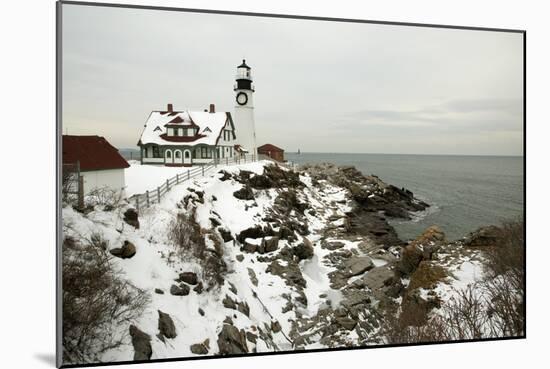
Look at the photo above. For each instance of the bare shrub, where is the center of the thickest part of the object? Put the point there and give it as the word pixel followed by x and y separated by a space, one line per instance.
pixel 504 286
pixel 465 315
pixel 104 196
pixel 191 240
pixel 187 235
pixel 96 300
pixel 395 327
pixel 69 182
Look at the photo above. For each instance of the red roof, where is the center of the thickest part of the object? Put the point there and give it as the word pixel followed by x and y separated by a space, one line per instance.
pixel 92 152
pixel 270 147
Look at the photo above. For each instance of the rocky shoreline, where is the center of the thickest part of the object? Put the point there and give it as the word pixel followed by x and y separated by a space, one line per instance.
pixel 262 257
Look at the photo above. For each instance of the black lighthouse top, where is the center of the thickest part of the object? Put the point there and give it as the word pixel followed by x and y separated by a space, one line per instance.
pixel 243 65
pixel 244 78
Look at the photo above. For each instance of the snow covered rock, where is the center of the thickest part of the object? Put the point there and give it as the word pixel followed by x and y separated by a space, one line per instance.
pixel 166 326
pixel 231 340
pixel 200 348
pixel 127 250
pixel 142 344
pixel 181 290
pixel 304 250
pixel 131 217
pixel 189 278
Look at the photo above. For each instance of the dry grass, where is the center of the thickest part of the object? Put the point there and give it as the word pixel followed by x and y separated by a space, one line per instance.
pixel 190 241
pixel 427 276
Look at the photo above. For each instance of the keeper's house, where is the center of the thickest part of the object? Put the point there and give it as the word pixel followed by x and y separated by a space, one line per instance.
pixel 186 138
pixel 97 161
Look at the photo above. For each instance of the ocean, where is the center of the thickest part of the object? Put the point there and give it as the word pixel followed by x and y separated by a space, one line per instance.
pixel 465 192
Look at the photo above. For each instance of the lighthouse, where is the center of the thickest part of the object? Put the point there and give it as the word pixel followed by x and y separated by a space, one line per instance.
pixel 244 108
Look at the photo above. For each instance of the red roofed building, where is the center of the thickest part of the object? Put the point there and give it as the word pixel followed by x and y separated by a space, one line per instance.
pixel 100 163
pixel 274 152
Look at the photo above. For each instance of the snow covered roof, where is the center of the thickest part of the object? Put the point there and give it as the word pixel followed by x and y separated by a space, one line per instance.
pixel 92 152
pixel 209 125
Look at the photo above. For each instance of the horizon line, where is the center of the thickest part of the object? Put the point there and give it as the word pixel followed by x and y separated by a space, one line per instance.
pixel 373 153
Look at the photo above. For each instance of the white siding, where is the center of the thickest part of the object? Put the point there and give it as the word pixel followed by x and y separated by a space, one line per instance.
pixel 111 178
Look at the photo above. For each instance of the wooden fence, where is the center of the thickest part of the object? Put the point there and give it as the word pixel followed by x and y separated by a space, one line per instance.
pixel 153 196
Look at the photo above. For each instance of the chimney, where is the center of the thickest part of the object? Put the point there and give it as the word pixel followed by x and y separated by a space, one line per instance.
pixel 212 108
pixel 170 108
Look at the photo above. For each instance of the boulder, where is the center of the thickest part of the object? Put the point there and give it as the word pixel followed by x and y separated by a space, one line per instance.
pixel 254 232
pixel 243 308
pixel 251 337
pixel 166 325
pixel 346 322
pixel 378 278
pixel 226 235
pixel 229 303
pixel 201 348
pixel 189 278
pixel 127 250
pixel 201 312
pixel 198 288
pixel 159 291
pixel 181 290
pixel 252 276
pixel 270 244
pixel 215 222
pixel 357 265
pixel 286 233
pixel 304 250
pixel 244 193
pixel 142 344
pixel 232 340
pixel 275 326
pixel 420 249
pixel 250 247
pixel 332 245
pixel 485 236
pixel 131 218
pixel 411 256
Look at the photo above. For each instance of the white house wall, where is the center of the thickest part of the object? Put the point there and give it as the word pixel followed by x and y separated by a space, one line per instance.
pixel 112 178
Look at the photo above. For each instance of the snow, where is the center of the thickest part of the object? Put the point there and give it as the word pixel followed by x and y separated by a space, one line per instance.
pixel 140 178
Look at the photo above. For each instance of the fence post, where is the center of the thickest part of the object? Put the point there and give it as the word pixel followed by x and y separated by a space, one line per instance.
pixel 167 184
pixel 147 196
pixel 81 192
pixel 202 170
pixel 158 195
pixel 137 203
pixel 188 175
pixel 177 178
pixel 226 161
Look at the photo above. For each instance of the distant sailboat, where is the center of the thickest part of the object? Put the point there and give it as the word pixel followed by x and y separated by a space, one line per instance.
pixel 298 152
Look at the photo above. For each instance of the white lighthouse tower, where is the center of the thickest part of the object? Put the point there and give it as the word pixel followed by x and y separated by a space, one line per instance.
pixel 244 109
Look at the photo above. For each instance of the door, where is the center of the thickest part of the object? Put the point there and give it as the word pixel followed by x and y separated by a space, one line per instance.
pixel 177 157
pixel 168 158
pixel 187 160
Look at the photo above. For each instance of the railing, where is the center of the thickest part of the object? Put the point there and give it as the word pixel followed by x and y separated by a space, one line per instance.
pixel 154 196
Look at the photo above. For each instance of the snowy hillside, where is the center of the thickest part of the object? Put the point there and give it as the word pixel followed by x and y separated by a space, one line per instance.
pixel 302 260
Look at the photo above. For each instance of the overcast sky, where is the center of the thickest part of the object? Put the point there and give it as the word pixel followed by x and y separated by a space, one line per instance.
pixel 320 86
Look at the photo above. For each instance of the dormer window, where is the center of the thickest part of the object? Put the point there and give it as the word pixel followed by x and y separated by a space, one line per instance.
pixel 176 131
